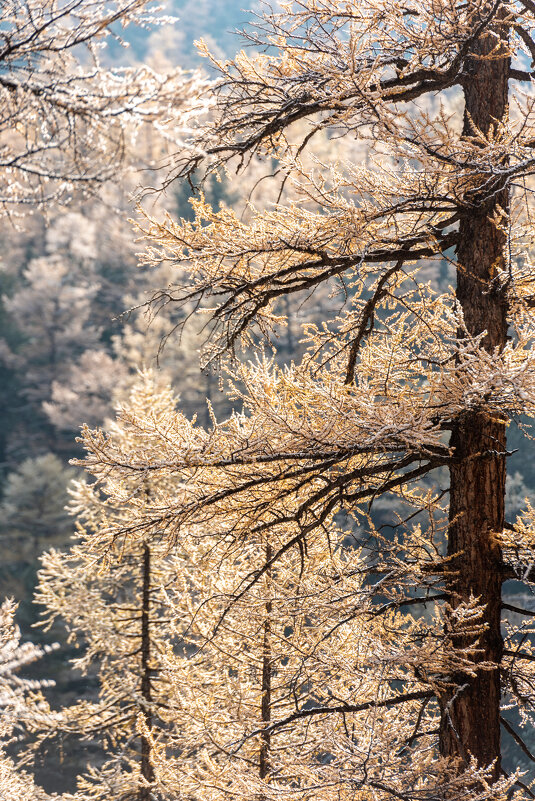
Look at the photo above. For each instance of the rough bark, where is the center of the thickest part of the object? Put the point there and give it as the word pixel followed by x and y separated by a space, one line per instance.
pixel 147 771
pixel 471 716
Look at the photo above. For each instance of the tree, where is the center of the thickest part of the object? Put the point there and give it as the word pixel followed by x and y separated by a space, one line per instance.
pixel 20 704
pixel 64 115
pixel 86 392
pixel 403 366
pixel 56 304
pixel 33 517
pixel 64 288
pixel 115 597
pixel 34 500
pixel 144 341
pixel 288 684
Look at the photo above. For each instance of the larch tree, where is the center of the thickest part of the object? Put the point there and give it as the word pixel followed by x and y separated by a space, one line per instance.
pixel 55 303
pixel 115 598
pixel 86 392
pixel 21 705
pixel 65 283
pixel 140 342
pixel 305 637
pixel 276 678
pixel 406 378
pixel 33 518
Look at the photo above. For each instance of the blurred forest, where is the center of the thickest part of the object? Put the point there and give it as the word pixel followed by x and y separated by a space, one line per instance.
pixel 70 348
pixel 67 348
pixel 74 332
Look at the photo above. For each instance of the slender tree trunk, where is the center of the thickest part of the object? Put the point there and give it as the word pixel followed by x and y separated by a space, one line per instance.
pixel 147 771
pixel 265 743
pixel 208 398
pixel 290 344
pixel 470 717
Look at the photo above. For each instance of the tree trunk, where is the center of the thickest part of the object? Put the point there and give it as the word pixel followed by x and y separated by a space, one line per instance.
pixel 147 771
pixel 265 743
pixel 470 724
